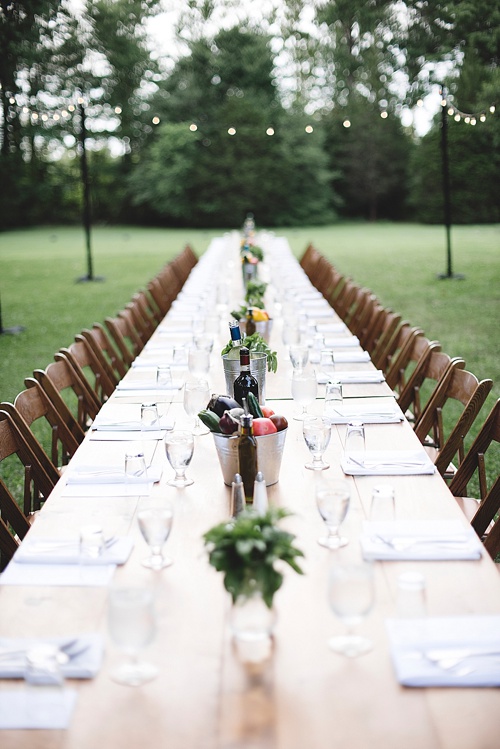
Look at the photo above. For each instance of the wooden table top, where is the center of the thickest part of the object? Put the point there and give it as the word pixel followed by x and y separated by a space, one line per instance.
pixel 304 695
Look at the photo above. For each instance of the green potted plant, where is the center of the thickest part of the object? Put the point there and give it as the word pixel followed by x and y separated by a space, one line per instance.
pixel 246 551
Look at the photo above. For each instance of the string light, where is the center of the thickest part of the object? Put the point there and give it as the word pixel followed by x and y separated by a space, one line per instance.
pixel 309 128
pixel 470 118
pixel 193 127
pixel 155 120
pixel 347 123
pixel 384 114
pixel 270 131
pixel 231 131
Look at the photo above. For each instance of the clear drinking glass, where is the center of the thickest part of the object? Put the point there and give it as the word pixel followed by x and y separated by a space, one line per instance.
pixel 298 356
pixel 382 505
pixel 198 362
pixel 327 362
pixel 179 446
pixel 304 389
pixel 196 397
pixel 351 595
pixel 150 420
pixel 163 376
pixel 355 442
pixel 334 401
pixel 332 499
pixel 135 466
pixel 91 541
pixel 317 432
pixel 131 623
pixel 155 523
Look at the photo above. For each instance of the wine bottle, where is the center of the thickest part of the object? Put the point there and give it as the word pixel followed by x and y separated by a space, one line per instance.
pixel 250 322
pixel 245 382
pixel 247 455
pixel 234 329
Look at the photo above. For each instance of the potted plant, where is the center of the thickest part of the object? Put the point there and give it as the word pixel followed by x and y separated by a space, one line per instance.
pixel 246 551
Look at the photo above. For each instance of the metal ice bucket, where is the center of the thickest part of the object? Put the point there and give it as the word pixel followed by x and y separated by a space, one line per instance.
pixel 263 327
pixel 269 453
pixel 258 367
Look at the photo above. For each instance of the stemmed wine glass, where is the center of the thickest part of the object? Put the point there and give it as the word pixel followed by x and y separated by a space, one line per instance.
pixel 304 389
pixel 317 432
pixel 179 446
pixel 351 595
pixel 131 623
pixel 196 397
pixel 332 499
pixel 155 523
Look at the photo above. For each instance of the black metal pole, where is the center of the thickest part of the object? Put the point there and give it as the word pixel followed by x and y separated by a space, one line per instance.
pixel 446 187
pixel 87 220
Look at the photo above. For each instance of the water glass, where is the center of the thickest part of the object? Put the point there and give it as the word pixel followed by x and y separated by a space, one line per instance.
pixel 198 362
pixel 91 541
pixel 317 432
pixel 351 595
pixel 135 467
pixel 304 389
pixel 131 624
pixel 327 362
pixel 150 419
pixel 155 523
pixel 196 397
pixel 334 401
pixel 411 601
pixel 298 356
pixel 332 499
pixel 163 376
pixel 382 505
pixel 355 442
pixel 179 447
pixel 179 355
pixel 291 334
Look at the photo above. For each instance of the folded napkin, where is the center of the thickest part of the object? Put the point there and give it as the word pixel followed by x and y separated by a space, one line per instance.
pixel 354 377
pixel 350 341
pixel 343 357
pixel 332 327
pixel 368 414
pixel 320 313
pixel 67 551
pixel 85 654
pixel 383 463
pixel 99 474
pixel 73 575
pixel 150 385
pixel 102 425
pixel 157 360
pixel 94 481
pixel 453 651
pixel 28 708
pixel 410 539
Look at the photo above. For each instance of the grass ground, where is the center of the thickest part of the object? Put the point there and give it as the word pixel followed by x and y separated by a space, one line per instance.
pixel 398 262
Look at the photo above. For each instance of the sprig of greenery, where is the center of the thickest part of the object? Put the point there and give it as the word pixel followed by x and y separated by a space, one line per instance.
pixel 246 549
pixel 256 343
pixel 251 249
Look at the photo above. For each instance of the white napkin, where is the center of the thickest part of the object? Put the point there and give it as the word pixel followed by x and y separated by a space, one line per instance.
pixel 67 551
pixel 92 575
pixel 318 313
pixel 157 360
pixel 88 650
pixel 343 357
pixel 384 463
pixel 350 341
pixel 410 539
pixel 90 481
pixel 85 474
pixel 370 413
pixel 354 377
pixel 148 385
pixel 332 327
pixel 27 708
pixel 409 639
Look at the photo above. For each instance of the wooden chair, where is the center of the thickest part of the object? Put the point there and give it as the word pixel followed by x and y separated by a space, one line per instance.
pixel 124 336
pixel 148 309
pixel 36 483
pixel 457 386
pixel 481 512
pixel 88 367
pixel 342 303
pixel 100 342
pixel 395 358
pixel 35 416
pixel 144 321
pixel 60 379
pixel 382 330
pixel 431 369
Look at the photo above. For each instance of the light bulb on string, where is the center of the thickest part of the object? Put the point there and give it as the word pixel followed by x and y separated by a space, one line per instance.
pixel 347 123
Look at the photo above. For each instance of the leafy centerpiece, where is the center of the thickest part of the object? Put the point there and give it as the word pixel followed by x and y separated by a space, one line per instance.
pixel 246 551
pixel 257 344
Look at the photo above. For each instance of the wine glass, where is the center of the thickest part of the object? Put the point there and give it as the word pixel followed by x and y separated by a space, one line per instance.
pixel 351 595
pixel 317 432
pixel 304 389
pixel 298 356
pixel 131 624
pixel 179 446
pixel 155 523
pixel 332 499
pixel 198 362
pixel 196 397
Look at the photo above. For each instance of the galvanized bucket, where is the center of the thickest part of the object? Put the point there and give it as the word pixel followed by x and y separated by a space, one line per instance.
pixel 263 327
pixel 258 367
pixel 269 453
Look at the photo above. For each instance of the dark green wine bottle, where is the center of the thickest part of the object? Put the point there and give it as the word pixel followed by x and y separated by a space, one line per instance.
pixel 247 455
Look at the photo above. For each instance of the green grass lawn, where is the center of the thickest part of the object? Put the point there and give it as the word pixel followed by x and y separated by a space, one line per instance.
pixel 398 262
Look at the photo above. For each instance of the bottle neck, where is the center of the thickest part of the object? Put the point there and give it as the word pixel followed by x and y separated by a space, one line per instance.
pixel 235 334
pixel 244 359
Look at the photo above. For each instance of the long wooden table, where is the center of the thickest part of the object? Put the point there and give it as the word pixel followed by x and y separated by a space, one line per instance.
pixel 304 695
